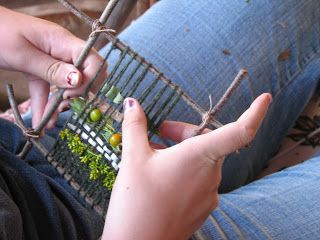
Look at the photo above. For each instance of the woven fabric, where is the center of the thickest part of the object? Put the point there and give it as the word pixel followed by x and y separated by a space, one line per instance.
pixel 83 153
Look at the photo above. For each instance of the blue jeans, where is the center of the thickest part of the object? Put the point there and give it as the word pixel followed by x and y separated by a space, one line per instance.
pixel 36 202
pixel 201 46
pixel 278 42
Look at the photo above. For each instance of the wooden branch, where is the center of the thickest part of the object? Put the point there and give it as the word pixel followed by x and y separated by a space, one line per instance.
pixel 59 97
pixel 23 127
pixel 234 85
pixel 120 14
pixel 105 15
pixel 207 117
pixel 14 105
pixel 77 12
pixel 26 148
pixel 54 8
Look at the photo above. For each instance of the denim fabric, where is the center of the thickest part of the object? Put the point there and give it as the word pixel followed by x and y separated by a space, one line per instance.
pixel 284 205
pixel 278 42
pixel 42 204
pixel 185 40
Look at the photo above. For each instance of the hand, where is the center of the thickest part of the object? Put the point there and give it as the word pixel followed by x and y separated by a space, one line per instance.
pixel 168 193
pixel 45 52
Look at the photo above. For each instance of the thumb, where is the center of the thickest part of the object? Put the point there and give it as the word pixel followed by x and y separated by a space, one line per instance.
pixel 134 129
pixel 63 75
pixel 54 71
pixel 233 136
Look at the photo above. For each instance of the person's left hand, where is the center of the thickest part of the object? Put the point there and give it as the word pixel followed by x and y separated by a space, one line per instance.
pixel 45 52
pixel 168 193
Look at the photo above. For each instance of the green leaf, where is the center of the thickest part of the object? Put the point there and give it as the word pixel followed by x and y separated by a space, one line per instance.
pixel 109 180
pixel 97 167
pixel 109 123
pixel 118 99
pixel 104 89
pixel 108 129
pixel 64 134
pixel 77 104
pixel 112 93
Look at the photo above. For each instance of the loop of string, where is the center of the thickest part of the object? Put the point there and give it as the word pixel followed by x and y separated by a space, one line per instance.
pixel 97 27
pixel 207 115
pixel 28 132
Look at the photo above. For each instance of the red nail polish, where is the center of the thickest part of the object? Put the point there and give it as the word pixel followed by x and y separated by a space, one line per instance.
pixel 128 103
pixel 73 78
pixel 131 102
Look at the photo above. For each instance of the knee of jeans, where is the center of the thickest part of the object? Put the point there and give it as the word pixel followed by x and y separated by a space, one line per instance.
pixel 203 45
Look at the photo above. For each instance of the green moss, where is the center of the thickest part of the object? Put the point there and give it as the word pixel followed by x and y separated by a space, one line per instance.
pixel 98 168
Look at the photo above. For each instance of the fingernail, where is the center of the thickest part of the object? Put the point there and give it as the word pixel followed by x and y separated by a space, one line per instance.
pixel 128 103
pixel 73 79
pixel 64 109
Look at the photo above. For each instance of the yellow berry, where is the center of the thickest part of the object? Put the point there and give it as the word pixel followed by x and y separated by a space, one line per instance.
pixel 115 139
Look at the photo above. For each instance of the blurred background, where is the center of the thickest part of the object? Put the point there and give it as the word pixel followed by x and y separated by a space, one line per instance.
pixel 52 10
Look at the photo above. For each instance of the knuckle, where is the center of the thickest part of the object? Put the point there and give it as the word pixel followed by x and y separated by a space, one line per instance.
pixel 52 71
pixel 134 121
pixel 58 31
pixel 211 157
pixel 207 157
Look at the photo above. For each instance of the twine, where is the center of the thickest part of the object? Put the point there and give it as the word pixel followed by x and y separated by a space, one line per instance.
pixel 28 132
pixel 97 27
pixel 207 115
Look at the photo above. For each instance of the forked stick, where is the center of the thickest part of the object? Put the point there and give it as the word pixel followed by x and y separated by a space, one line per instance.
pixel 59 97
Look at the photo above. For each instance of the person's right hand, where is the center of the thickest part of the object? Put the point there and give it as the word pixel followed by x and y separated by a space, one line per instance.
pixel 45 52
pixel 168 193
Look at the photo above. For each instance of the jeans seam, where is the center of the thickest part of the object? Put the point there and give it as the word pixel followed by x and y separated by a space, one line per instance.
pixel 297 74
pixel 249 217
pixel 234 226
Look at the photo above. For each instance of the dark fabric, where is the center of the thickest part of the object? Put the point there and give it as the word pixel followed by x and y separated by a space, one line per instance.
pixel 35 201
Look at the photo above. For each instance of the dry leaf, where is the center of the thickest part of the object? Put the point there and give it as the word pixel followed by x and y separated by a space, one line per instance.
pixel 285 55
pixel 226 52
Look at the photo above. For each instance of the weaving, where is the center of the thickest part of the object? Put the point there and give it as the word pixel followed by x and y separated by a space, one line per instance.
pixel 88 150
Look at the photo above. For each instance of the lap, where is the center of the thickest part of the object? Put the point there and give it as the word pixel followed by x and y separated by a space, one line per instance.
pixel 33 182
pixel 275 40
pixel 281 206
